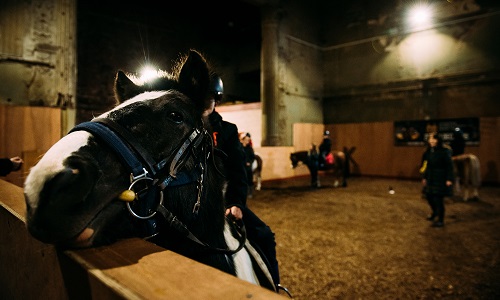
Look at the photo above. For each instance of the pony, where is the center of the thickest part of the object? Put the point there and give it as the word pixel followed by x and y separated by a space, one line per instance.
pixel 468 176
pixel 338 168
pixel 256 171
pixel 146 168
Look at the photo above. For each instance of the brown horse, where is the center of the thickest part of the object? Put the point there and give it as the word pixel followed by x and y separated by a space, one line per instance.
pixel 468 176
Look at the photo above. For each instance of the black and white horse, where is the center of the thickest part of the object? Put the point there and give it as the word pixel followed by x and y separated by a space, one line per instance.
pixel 147 168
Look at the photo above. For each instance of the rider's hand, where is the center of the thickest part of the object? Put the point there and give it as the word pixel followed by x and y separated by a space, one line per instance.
pixel 235 211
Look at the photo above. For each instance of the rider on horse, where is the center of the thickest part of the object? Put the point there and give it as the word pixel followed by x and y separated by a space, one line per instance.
pixel 325 149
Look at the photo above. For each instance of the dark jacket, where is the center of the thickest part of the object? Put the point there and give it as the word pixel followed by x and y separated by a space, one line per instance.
pixel 457 144
pixel 226 139
pixel 438 170
pixel 249 154
pixel 6 166
pixel 325 147
pixel 249 158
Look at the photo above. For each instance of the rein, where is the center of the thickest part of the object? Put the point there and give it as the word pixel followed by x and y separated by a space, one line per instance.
pixel 128 149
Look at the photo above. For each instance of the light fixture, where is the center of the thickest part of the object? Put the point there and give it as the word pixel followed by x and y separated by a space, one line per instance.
pixel 420 16
pixel 148 73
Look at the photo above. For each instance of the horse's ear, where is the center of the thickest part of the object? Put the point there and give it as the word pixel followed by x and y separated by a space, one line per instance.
pixel 194 77
pixel 124 88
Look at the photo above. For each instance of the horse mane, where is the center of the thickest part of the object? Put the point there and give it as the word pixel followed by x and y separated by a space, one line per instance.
pixel 190 81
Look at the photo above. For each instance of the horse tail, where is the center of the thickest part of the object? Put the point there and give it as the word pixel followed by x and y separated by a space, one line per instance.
pixel 475 170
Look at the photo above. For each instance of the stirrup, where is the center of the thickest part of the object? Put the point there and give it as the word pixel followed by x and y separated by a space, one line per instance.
pixel 282 288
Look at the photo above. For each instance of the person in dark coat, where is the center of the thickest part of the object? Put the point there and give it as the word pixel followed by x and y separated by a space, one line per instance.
pixel 458 143
pixel 438 177
pixel 226 138
pixel 458 148
pixel 314 165
pixel 245 139
pixel 8 165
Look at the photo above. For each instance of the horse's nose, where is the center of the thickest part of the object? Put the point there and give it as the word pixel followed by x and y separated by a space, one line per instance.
pixel 64 180
pixel 75 181
pixel 61 197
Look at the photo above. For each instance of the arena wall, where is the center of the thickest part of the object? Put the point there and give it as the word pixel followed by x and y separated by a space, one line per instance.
pixel 30 131
pixel 374 150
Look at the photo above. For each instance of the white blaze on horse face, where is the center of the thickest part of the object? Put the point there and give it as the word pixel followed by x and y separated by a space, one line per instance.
pixel 141 97
pixel 51 164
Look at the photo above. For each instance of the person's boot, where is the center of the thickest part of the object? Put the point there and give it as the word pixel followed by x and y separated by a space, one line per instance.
pixel 438 224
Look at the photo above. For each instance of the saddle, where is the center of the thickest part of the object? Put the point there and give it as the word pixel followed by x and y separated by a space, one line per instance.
pixel 326 162
pixel 329 159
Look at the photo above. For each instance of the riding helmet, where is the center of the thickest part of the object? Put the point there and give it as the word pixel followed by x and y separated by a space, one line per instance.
pixel 326 132
pixel 216 87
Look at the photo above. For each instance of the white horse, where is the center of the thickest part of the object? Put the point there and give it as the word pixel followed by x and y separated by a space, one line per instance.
pixel 468 176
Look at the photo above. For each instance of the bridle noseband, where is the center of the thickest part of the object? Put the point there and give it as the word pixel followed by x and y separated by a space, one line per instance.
pixel 156 176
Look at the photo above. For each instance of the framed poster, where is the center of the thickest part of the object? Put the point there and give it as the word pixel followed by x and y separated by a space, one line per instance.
pixel 416 132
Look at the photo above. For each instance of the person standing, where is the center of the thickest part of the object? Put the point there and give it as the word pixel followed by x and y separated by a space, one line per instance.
pixel 8 165
pixel 313 166
pixel 458 143
pixel 458 148
pixel 246 142
pixel 437 177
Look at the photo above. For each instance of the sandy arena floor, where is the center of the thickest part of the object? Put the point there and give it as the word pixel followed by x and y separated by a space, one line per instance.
pixel 361 242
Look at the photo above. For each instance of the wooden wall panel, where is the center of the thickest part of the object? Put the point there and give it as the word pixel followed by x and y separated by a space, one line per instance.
pixel 28 132
pixel 306 134
pixel 276 163
pixel 375 153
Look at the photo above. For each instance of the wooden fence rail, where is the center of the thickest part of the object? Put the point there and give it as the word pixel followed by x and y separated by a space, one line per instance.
pixel 129 269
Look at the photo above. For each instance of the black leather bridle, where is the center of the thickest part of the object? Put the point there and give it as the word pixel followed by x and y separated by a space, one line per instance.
pixel 149 178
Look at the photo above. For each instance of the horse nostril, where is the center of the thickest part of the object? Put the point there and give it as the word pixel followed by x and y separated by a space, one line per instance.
pixel 74 182
pixel 64 181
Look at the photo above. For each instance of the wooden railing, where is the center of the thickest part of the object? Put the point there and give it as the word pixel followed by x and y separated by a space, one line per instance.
pixel 129 269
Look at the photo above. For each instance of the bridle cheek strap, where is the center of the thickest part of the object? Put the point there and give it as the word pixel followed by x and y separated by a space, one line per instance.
pixel 192 142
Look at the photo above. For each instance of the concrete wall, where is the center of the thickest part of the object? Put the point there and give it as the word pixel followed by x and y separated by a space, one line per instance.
pixel 447 71
pixel 38 54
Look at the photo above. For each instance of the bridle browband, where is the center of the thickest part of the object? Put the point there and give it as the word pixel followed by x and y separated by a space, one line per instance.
pixel 160 175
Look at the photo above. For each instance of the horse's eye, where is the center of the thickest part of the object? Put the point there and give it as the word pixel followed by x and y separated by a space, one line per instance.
pixel 175 117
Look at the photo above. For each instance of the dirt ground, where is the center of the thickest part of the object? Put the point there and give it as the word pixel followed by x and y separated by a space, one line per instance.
pixel 360 242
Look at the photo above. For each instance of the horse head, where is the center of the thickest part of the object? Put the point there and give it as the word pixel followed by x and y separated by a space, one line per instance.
pixel 74 194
